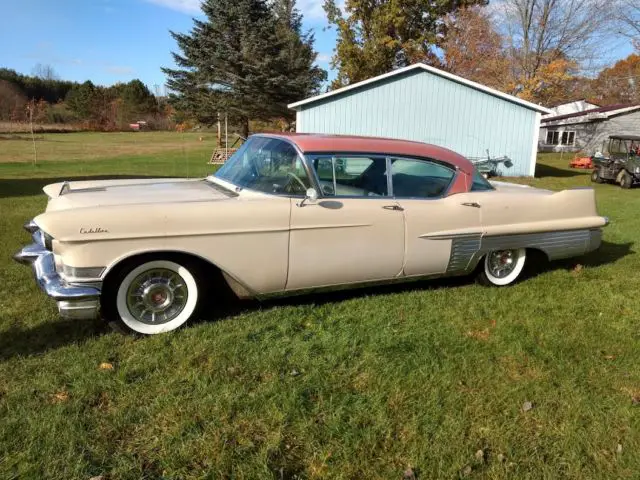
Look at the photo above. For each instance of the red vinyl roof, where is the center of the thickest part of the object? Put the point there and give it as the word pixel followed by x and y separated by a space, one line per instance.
pixel 319 143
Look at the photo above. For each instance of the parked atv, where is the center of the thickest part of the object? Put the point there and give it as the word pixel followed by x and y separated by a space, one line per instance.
pixel 622 166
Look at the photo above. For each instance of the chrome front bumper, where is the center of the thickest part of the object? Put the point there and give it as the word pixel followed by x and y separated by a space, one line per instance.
pixel 79 302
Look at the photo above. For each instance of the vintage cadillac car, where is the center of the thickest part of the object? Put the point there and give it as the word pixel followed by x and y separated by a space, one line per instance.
pixel 280 217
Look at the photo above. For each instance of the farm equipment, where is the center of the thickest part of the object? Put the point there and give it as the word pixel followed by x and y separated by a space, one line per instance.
pixel 221 154
pixel 622 166
pixel 581 162
pixel 488 166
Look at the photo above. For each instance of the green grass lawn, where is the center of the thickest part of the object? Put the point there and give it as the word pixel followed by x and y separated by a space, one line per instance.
pixel 359 384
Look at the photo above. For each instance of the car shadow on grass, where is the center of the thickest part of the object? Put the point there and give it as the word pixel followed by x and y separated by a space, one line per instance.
pixel 27 187
pixel 543 170
pixel 47 336
pixel 53 334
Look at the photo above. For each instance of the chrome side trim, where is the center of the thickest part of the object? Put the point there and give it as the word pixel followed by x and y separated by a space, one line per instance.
pixel 466 251
pixel 462 252
pixel 555 244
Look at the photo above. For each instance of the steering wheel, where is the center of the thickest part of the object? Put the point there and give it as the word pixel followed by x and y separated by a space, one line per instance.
pixel 297 179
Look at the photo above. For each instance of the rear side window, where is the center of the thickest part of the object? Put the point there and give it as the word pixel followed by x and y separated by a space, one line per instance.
pixel 480 184
pixel 419 178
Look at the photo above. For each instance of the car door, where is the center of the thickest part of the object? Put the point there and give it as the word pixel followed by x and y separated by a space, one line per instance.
pixel 354 233
pixel 442 232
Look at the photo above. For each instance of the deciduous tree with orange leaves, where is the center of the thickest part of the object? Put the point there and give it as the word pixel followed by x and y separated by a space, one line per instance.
pixel 620 83
pixel 473 49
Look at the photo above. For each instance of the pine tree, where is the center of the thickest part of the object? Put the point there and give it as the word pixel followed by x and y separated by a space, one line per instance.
pixel 247 59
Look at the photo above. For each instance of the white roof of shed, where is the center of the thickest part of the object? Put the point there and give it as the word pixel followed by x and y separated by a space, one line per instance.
pixel 427 68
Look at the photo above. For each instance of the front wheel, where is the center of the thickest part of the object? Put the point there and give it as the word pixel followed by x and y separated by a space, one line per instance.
pixel 626 181
pixel 502 267
pixel 151 297
pixel 595 176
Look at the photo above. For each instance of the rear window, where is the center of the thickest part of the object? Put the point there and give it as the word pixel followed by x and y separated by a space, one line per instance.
pixel 480 184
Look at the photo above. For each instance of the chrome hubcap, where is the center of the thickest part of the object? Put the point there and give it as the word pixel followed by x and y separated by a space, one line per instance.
pixel 502 262
pixel 157 296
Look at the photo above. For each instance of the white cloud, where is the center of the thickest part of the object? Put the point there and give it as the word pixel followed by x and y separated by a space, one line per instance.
pixel 184 6
pixel 323 58
pixel 311 9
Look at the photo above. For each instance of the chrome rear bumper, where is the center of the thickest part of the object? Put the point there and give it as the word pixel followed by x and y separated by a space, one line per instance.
pixel 81 302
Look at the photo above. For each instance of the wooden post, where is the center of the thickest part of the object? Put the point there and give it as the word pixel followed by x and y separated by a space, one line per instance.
pixel 226 138
pixel 33 138
pixel 219 143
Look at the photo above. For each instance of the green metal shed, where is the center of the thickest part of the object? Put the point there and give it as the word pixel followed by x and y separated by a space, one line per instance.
pixel 422 103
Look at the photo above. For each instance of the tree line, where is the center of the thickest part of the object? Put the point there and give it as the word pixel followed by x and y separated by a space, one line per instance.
pixel 47 99
pixel 250 58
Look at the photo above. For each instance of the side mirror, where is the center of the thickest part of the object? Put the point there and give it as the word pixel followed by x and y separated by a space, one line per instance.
pixel 311 196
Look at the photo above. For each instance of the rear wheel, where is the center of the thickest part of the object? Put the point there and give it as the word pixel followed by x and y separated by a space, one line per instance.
pixel 626 181
pixel 596 177
pixel 502 267
pixel 152 296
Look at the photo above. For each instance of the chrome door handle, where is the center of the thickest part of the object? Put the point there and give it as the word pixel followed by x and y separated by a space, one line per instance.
pixel 393 207
pixel 471 204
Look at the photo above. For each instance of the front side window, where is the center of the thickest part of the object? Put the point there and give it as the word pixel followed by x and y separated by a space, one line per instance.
pixel 349 176
pixel 268 165
pixel 420 178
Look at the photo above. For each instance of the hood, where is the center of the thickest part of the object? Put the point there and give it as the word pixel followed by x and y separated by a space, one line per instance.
pixel 95 193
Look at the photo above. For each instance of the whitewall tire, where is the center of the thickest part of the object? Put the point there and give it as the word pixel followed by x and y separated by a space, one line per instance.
pixel 154 296
pixel 502 267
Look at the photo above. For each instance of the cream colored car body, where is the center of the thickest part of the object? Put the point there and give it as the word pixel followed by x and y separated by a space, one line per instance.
pixel 270 244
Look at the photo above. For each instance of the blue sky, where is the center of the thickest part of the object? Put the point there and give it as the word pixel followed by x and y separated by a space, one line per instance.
pixel 109 41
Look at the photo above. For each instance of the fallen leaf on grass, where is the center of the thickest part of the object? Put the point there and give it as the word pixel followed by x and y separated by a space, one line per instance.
pixel 577 269
pixel 106 366
pixel 634 393
pixel 480 455
pixel 609 357
pixel 409 474
pixel 59 397
pixel 526 406
pixel 478 334
pixel 619 448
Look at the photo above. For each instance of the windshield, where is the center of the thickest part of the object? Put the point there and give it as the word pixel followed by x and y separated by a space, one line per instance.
pixel 624 146
pixel 268 165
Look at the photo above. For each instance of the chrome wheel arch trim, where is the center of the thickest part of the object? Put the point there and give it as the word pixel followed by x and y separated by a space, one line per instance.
pixel 236 285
